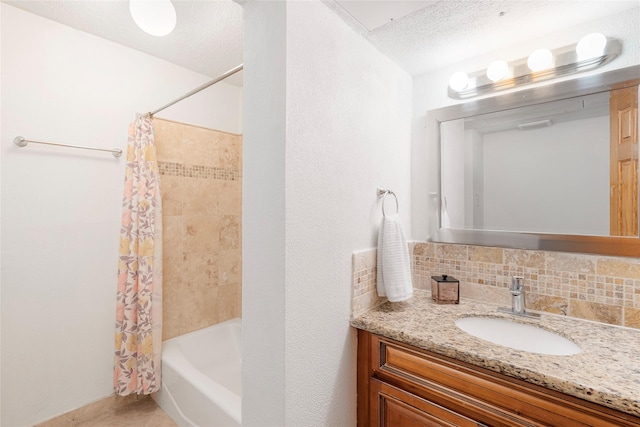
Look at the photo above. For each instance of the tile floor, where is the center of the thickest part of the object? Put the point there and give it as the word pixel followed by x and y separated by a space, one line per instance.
pixel 144 414
pixel 127 412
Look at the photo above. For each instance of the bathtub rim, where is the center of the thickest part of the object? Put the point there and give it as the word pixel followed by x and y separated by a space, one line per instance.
pixel 173 358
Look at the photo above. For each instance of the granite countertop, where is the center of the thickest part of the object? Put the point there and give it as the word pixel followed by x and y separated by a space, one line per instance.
pixel 606 371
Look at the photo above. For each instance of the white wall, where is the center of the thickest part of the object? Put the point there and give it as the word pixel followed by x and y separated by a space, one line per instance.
pixel 430 92
pixel 61 207
pixel 347 131
pixel 537 180
pixel 263 214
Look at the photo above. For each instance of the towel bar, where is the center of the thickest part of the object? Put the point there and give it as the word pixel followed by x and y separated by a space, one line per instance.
pixel 382 193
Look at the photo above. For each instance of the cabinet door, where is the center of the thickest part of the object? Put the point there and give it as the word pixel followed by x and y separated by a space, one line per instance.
pixel 443 391
pixel 392 407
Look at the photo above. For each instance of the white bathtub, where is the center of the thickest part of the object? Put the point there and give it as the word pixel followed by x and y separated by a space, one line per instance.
pixel 201 385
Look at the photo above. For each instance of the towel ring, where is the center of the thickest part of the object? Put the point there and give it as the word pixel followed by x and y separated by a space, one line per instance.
pixel 384 193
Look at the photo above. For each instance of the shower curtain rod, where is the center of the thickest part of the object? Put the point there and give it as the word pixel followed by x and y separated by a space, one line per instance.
pixel 199 88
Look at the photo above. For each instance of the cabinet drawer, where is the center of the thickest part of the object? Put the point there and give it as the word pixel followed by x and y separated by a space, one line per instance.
pixel 394 407
pixel 489 397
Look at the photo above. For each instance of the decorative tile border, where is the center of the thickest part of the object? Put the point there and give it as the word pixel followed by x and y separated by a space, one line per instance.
pixel 209 172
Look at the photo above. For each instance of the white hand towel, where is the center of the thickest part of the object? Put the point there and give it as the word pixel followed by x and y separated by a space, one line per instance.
pixel 394 270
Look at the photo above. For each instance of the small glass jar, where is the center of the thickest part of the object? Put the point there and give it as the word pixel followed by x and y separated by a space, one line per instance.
pixel 445 289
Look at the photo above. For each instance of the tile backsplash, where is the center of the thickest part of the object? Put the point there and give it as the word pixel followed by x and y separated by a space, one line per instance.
pixel 592 287
pixel 363 290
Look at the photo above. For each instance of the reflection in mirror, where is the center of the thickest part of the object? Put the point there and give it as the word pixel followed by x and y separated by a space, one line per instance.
pixel 553 167
pixel 540 168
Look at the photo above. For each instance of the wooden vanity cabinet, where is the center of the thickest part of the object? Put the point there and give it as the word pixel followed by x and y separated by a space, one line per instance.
pixel 400 385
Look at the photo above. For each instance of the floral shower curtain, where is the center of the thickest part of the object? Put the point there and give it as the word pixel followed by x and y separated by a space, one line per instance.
pixel 138 337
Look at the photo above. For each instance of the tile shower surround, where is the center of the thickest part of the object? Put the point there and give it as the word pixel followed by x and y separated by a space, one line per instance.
pixel 598 288
pixel 201 183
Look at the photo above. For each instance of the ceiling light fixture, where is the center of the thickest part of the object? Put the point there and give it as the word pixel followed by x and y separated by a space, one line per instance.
pixel 593 51
pixel 155 17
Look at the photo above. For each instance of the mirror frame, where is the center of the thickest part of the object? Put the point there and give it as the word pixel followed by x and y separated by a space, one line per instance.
pixel 585 85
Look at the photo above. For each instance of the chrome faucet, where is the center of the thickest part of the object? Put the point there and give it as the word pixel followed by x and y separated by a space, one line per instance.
pixel 518 300
pixel 518 305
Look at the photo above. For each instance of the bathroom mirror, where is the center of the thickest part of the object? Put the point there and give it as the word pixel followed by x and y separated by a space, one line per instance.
pixel 553 168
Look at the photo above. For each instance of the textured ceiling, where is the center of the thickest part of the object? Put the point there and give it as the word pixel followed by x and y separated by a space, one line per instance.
pixel 449 31
pixel 207 38
pixel 208 35
pixel 374 14
pixel 446 32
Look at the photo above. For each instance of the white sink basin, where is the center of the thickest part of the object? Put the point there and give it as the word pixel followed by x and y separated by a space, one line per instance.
pixel 519 336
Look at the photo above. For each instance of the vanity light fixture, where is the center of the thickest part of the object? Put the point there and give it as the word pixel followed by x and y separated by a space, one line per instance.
pixel 497 70
pixel 593 51
pixel 155 17
pixel 591 46
pixel 458 81
pixel 540 59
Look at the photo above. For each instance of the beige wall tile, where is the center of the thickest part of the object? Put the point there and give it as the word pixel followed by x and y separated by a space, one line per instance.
pixel 173 315
pixel 230 232
pixel 199 281
pixel 582 286
pixel 169 138
pixel 230 197
pixel 574 263
pixel 595 311
pixel 240 152
pixel 229 152
pixel 363 303
pixel 364 259
pixel 172 236
pixel 200 196
pixel 486 254
pixel 204 305
pixel 200 232
pixel 619 267
pixel 485 293
pixel 200 147
pixel 172 271
pixel 523 258
pixel 230 267
pixel 188 309
pixel 424 249
pixel 550 304
pixel 229 297
pixel 421 282
pixel 363 282
pixel 201 269
pixel 454 252
pixel 632 317
pixel 171 188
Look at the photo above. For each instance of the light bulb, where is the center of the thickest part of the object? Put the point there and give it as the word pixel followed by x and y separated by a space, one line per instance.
pixel 540 59
pixel 458 81
pixel 155 17
pixel 497 71
pixel 591 46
